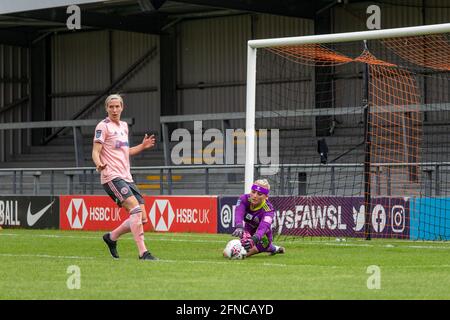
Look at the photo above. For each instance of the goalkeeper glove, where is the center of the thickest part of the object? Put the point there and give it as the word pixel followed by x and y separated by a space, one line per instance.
pixel 249 243
pixel 238 232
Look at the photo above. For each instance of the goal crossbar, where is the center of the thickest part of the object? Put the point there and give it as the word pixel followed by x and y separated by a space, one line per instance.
pixel 352 36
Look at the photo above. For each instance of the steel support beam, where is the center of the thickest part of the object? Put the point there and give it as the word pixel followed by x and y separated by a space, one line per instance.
pixel 15 38
pixel 150 23
pixel 7 7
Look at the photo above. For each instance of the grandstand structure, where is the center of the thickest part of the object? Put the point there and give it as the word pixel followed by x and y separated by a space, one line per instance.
pixel 187 60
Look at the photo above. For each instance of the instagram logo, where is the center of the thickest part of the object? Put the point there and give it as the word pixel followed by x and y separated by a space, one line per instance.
pixel 398 218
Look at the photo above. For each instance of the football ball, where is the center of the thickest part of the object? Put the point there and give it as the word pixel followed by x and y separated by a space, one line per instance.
pixel 234 250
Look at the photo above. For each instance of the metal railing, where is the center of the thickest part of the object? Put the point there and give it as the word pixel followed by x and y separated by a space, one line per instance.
pixel 305 179
pixel 225 118
pixel 76 126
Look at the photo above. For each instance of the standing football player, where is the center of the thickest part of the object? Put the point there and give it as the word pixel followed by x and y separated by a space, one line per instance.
pixel 111 155
pixel 256 211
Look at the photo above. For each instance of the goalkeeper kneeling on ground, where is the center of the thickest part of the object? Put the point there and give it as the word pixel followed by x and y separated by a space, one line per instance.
pixel 254 215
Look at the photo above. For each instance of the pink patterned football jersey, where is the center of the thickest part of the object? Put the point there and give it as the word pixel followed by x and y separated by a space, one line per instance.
pixel 115 152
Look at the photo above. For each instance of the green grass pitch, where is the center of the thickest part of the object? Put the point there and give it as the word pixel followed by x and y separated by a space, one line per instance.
pixel 35 264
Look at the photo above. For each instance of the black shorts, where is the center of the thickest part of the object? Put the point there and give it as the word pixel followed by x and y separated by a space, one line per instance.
pixel 119 190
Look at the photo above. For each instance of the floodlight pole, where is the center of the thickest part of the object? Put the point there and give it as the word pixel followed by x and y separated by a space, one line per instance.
pixel 250 119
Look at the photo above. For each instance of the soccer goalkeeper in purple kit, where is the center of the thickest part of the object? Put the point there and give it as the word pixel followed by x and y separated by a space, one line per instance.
pixel 256 211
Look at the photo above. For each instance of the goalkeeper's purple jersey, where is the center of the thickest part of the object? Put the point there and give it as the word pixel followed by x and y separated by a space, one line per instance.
pixel 257 221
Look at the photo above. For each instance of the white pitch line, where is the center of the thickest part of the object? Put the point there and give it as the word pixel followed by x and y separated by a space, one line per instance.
pixel 157 261
pixel 365 245
pixel 44 256
pixel 125 238
pixel 239 262
pixel 423 247
pixel 274 264
pixel 152 237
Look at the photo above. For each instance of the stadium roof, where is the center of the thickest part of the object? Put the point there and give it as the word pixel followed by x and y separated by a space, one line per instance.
pixel 25 20
pixel 21 22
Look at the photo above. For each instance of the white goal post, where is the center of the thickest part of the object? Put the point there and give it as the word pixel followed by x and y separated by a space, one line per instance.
pixel 253 45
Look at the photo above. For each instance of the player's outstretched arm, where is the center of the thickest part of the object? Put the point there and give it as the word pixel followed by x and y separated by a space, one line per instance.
pixel 96 149
pixel 147 143
pixel 239 217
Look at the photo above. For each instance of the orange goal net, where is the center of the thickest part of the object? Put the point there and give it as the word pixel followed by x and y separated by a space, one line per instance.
pixel 364 127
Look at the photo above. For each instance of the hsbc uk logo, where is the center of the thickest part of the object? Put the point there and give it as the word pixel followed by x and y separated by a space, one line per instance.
pixel 77 213
pixel 161 215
